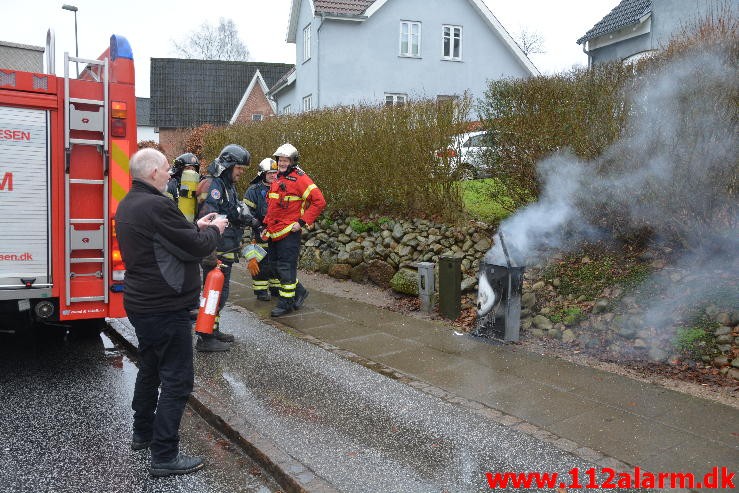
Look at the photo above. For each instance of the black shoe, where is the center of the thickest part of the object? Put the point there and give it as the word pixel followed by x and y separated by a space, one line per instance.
pixel 281 309
pixel 263 296
pixel 182 464
pixel 222 336
pixel 210 344
pixel 300 297
pixel 138 443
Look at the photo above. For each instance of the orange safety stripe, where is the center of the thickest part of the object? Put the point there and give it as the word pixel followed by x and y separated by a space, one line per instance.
pixel 119 172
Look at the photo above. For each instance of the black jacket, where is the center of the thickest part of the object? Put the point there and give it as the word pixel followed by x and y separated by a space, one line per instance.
pixel 161 250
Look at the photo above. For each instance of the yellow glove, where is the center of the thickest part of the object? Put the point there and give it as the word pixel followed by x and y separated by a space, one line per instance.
pixel 253 267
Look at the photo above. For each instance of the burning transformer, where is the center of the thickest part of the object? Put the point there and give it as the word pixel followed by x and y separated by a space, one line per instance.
pixel 499 294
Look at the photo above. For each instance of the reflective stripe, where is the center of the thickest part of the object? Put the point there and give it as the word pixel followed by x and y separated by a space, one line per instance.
pixel 291 198
pixel 274 283
pixel 280 233
pixel 250 203
pixel 273 195
pixel 308 190
pixel 259 285
pixel 292 286
pixel 287 294
pixel 120 179
pixel 227 256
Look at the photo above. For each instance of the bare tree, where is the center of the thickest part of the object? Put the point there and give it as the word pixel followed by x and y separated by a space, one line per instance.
pixel 530 41
pixel 221 42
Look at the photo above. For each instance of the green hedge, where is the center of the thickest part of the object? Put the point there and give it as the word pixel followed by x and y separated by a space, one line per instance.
pixel 365 159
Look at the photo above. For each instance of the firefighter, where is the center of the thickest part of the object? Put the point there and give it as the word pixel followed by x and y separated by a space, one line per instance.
pixel 183 183
pixel 293 201
pixel 222 198
pixel 264 282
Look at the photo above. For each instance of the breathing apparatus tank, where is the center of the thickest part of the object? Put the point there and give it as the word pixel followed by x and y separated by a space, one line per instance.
pixel 187 202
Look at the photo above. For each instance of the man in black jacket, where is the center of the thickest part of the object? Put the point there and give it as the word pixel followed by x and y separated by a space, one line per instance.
pixel 162 251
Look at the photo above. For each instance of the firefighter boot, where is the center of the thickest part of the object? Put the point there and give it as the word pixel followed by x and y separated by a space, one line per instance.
pixel 221 336
pixel 207 343
pixel 263 295
pixel 283 308
pixel 300 295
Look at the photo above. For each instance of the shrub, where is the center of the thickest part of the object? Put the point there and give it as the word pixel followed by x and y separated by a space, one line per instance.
pixel 365 159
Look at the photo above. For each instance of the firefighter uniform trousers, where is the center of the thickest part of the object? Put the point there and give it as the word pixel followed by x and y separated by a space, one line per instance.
pixel 267 278
pixel 284 255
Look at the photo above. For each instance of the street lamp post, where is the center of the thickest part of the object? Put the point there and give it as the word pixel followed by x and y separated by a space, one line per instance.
pixel 72 8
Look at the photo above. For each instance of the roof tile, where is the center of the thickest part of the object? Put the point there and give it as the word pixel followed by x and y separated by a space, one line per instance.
pixel 624 14
pixel 342 7
pixel 188 93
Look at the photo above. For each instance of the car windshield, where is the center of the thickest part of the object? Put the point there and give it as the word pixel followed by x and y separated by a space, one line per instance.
pixel 482 140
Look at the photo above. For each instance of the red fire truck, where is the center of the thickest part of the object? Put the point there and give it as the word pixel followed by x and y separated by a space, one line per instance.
pixel 64 149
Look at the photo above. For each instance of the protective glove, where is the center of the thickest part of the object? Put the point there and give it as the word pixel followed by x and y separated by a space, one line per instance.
pixel 253 267
pixel 210 261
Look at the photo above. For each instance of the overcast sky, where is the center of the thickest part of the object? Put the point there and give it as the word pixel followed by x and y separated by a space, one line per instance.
pixel 150 25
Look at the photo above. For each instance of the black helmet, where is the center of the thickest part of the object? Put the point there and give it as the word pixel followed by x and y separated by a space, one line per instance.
pixel 231 155
pixel 187 159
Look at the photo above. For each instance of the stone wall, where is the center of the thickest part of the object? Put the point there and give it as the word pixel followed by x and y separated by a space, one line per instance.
pixel 385 251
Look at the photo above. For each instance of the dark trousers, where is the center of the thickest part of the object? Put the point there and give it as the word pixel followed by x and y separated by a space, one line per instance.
pixel 165 360
pixel 285 254
pixel 226 285
pixel 266 277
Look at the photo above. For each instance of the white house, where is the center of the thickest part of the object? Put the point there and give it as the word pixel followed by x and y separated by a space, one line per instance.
pixel 374 51
pixel 636 28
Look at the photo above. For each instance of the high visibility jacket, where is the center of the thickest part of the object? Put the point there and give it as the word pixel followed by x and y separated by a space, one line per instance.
pixel 292 198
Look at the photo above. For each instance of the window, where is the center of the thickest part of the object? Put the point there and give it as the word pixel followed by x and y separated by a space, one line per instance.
pixel 410 38
pixel 257 117
pixel 392 99
pixel 451 42
pixel 306 43
pixel 308 102
pixel 287 110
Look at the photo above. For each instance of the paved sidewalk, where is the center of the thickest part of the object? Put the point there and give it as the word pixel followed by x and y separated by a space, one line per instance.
pixel 586 409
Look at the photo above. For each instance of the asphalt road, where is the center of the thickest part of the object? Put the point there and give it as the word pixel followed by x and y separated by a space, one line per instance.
pixel 356 429
pixel 66 426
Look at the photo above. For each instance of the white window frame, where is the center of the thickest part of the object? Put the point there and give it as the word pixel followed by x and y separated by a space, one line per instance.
pixel 287 110
pixel 408 38
pixel 395 98
pixel 308 103
pixel 306 42
pixel 257 117
pixel 452 28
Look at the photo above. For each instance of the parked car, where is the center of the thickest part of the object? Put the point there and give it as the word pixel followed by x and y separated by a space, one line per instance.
pixel 470 154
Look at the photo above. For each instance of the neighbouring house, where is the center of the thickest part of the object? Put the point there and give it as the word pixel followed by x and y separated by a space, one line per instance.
pixel 637 28
pixel 188 93
pixel 26 58
pixel 388 51
pixel 144 128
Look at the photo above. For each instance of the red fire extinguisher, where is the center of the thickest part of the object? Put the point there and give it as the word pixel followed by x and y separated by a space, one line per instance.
pixel 209 299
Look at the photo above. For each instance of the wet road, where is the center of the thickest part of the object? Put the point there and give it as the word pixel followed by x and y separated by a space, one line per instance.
pixel 66 426
pixel 358 430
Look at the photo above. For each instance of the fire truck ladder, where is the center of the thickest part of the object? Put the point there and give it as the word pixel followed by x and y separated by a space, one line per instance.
pixel 96 123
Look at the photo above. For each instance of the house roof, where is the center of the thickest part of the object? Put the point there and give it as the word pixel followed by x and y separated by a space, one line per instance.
pixel 187 93
pixel 256 80
pixel 342 7
pixel 626 13
pixel 143 112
